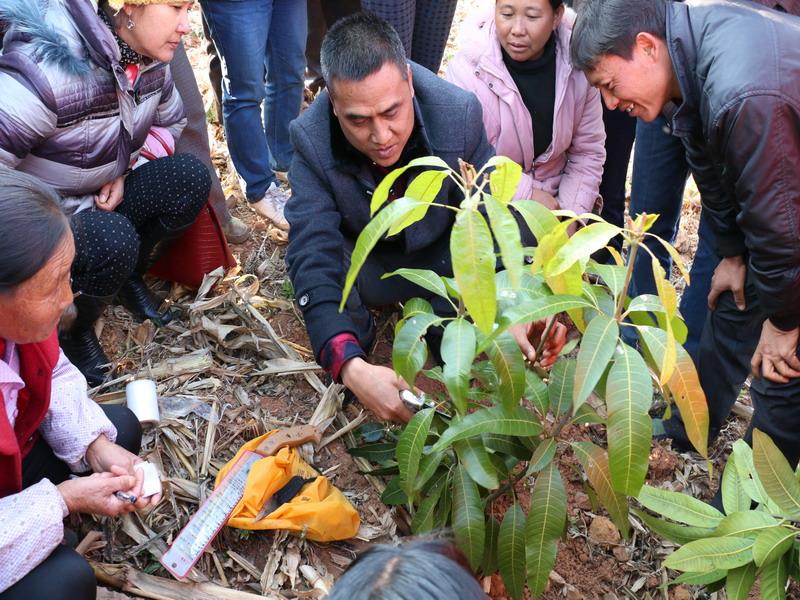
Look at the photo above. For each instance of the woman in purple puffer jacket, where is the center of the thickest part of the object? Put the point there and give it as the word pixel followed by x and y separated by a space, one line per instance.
pixel 83 86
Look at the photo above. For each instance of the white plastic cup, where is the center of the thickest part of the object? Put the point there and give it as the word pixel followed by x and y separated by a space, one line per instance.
pixel 143 401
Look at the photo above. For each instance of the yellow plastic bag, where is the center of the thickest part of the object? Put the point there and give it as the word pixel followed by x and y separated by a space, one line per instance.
pixel 320 511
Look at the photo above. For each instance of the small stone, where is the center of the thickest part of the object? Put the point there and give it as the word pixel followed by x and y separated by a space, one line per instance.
pixel 574 594
pixel 652 582
pixel 681 593
pixel 621 553
pixel 603 531
pixel 582 501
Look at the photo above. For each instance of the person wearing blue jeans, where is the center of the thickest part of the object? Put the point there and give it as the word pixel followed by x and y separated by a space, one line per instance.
pixel 262 47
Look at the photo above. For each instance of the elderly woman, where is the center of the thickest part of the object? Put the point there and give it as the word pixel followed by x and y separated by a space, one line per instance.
pixel 536 109
pixel 83 86
pixel 48 426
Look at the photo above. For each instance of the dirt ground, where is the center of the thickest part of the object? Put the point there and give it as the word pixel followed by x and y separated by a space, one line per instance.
pixel 251 404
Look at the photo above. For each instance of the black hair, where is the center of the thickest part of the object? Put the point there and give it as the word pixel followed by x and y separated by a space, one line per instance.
pixel 429 570
pixel 611 26
pixel 358 46
pixel 32 225
pixel 555 4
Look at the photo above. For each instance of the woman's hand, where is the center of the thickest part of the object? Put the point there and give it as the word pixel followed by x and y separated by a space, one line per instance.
pixel 110 195
pixel 105 456
pixel 95 494
pixel 377 388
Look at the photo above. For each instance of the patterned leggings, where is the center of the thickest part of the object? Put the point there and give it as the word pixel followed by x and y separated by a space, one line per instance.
pixel 168 192
pixel 423 26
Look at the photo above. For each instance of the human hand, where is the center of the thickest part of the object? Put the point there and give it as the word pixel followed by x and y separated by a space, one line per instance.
pixel 95 494
pixel 529 335
pixel 775 357
pixel 110 195
pixel 548 200
pixel 729 275
pixel 377 388
pixel 106 456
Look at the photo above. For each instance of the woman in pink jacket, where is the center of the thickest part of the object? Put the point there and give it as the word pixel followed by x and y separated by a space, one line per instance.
pixel 536 109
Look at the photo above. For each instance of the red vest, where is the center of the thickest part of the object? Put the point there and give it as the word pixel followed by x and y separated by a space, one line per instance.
pixel 37 362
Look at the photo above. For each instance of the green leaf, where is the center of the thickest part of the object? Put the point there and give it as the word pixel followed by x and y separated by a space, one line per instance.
pixel 580 246
pixel 679 534
pixel 684 386
pixel 474 458
pixel 679 507
pixel 371 235
pixel 490 556
pixel 441 516
pixel 381 192
pixel 629 393
pixel 734 496
pixel 508 361
pixel 380 452
pixel 597 348
pixel 547 515
pixel 410 446
pixel 458 352
pixel 539 308
pixel 503 181
pixel 393 495
pixel 559 386
pixel 506 444
pixel 751 484
pixel 542 456
pixel 595 462
pixel 520 421
pixel 771 544
pixel 700 578
pixel 423 517
pixel 586 415
pixel 506 233
pixel 748 523
pixel 539 219
pixel 427 468
pixel 612 275
pixel 536 391
pixel 775 473
pixel 646 303
pixel 773 579
pixel 472 250
pixel 511 550
pixel 677 259
pixel 740 581
pixel 424 187
pixel 410 351
pixel 711 554
pixel 469 527
pixel 423 278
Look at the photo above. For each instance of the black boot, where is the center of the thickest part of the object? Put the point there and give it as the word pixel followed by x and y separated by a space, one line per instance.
pixel 80 343
pixel 134 294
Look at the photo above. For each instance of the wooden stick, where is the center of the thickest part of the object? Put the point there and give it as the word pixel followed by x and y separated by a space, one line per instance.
pixel 131 581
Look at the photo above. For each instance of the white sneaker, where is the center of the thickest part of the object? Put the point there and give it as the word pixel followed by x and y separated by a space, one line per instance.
pixel 271 206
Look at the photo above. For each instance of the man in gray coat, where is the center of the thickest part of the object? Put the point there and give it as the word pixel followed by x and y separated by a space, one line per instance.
pixel 737 110
pixel 378 113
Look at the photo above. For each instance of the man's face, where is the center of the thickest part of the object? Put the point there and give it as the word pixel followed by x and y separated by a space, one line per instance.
pixel 30 312
pixel 640 86
pixel 377 113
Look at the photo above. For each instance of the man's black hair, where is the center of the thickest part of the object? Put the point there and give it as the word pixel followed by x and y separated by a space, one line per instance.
pixel 358 46
pixel 611 26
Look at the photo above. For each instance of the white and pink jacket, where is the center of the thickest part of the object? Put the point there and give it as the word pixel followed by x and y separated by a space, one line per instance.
pixel 572 166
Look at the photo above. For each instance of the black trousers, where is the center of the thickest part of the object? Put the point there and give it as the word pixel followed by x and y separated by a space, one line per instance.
pixel 729 339
pixel 65 575
pixel 169 191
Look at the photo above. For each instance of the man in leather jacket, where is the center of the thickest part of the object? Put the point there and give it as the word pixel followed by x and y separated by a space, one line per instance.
pixel 737 111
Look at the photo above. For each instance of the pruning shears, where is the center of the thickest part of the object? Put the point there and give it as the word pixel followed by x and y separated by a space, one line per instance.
pixel 416 402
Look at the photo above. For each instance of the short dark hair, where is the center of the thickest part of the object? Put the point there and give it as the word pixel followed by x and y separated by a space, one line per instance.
pixel 358 46
pixel 427 570
pixel 32 225
pixel 611 26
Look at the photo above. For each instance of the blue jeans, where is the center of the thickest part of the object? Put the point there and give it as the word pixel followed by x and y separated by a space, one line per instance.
pixel 262 47
pixel 659 177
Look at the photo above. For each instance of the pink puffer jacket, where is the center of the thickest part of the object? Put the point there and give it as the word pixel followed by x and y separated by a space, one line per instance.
pixel 572 166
